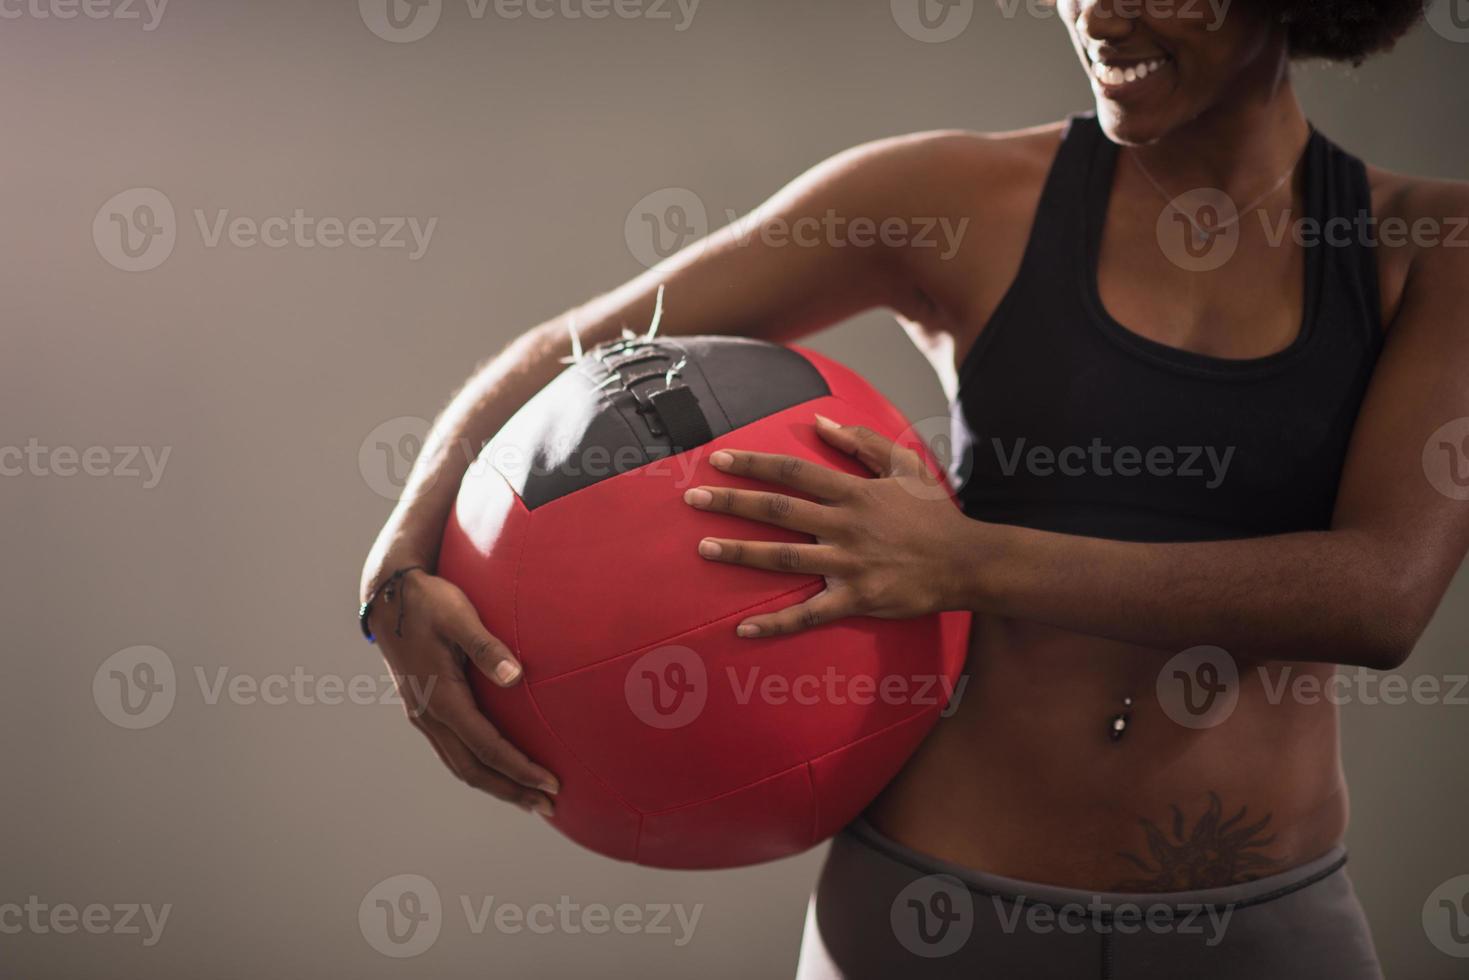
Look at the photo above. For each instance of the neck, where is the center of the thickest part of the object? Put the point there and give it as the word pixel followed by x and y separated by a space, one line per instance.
pixel 1238 147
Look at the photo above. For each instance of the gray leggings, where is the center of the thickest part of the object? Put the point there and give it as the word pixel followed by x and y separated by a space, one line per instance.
pixel 882 910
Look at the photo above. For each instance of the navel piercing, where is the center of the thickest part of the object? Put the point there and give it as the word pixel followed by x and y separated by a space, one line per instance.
pixel 1120 721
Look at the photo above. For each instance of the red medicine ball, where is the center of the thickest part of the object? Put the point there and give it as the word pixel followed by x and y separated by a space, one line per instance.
pixel 679 744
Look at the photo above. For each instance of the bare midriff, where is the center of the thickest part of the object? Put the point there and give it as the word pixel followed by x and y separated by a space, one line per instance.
pixel 1023 778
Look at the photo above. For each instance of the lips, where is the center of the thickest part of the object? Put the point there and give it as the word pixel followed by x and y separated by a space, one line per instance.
pixel 1119 72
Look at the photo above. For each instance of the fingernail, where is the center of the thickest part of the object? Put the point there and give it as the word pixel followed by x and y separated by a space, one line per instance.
pixel 823 420
pixel 550 786
pixel 710 548
pixel 698 497
pixel 506 672
pixel 544 808
pixel 747 629
pixel 721 460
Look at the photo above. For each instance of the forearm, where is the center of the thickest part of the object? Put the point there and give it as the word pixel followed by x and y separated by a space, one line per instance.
pixel 1329 597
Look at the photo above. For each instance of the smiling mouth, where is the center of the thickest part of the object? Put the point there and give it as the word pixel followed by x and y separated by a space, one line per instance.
pixel 1118 76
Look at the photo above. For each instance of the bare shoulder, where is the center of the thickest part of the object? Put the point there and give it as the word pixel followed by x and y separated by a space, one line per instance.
pixel 1421 230
pixel 1417 200
pixel 955 163
pixel 1430 212
pixel 1031 147
pixel 980 188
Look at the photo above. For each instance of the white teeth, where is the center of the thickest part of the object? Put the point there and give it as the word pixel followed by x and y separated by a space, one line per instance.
pixel 1111 75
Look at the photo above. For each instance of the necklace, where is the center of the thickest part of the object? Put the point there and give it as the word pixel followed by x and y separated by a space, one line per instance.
pixel 1203 235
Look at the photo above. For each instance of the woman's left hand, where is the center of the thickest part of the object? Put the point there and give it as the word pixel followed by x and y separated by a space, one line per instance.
pixel 888 546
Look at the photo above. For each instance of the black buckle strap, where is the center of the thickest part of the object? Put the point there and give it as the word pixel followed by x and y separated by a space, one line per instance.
pixel 682 417
pixel 673 410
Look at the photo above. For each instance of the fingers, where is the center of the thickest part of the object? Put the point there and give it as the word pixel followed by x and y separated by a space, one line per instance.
pixel 775 509
pixel 877 452
pixel 452 706
pixel 460 627
pixel 441 630
pixel 809 559
pixel 463 764
pixel 824 607
pixel 809 478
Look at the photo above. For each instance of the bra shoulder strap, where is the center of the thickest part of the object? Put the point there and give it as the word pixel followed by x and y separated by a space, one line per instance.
pixel 1058 233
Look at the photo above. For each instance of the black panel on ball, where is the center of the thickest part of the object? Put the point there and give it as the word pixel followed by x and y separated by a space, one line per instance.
pixel 630 402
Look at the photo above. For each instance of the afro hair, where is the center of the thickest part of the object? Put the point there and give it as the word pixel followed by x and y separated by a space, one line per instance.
pixel 1345 30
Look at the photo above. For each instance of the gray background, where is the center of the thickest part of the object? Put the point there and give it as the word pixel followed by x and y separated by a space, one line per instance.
pixel 265 371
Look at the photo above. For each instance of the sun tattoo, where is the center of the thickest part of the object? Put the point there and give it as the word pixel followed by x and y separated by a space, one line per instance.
pixel 1215 853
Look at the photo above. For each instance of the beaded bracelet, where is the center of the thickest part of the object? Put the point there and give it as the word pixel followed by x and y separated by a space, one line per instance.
pixel 385 589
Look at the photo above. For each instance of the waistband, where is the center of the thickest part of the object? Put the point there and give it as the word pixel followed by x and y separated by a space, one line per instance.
pixel 1256 892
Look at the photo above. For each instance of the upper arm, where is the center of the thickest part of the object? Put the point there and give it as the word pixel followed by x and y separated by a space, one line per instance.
pixel 1406 480
pixel 807 258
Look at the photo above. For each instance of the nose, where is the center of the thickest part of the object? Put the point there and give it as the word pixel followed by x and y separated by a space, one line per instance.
pixel 1105 20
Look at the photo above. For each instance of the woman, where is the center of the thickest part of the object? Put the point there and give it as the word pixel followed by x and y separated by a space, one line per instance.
pixel 1195 422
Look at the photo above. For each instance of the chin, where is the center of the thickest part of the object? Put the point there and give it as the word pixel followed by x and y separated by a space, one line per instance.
pixel 1134 125
pixel 1127 127
pixel 1139 98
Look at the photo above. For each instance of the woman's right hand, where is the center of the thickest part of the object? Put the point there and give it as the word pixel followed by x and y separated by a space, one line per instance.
pixel 430 634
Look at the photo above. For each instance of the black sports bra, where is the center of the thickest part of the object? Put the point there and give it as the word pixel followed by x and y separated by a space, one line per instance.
pixel 1068 421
